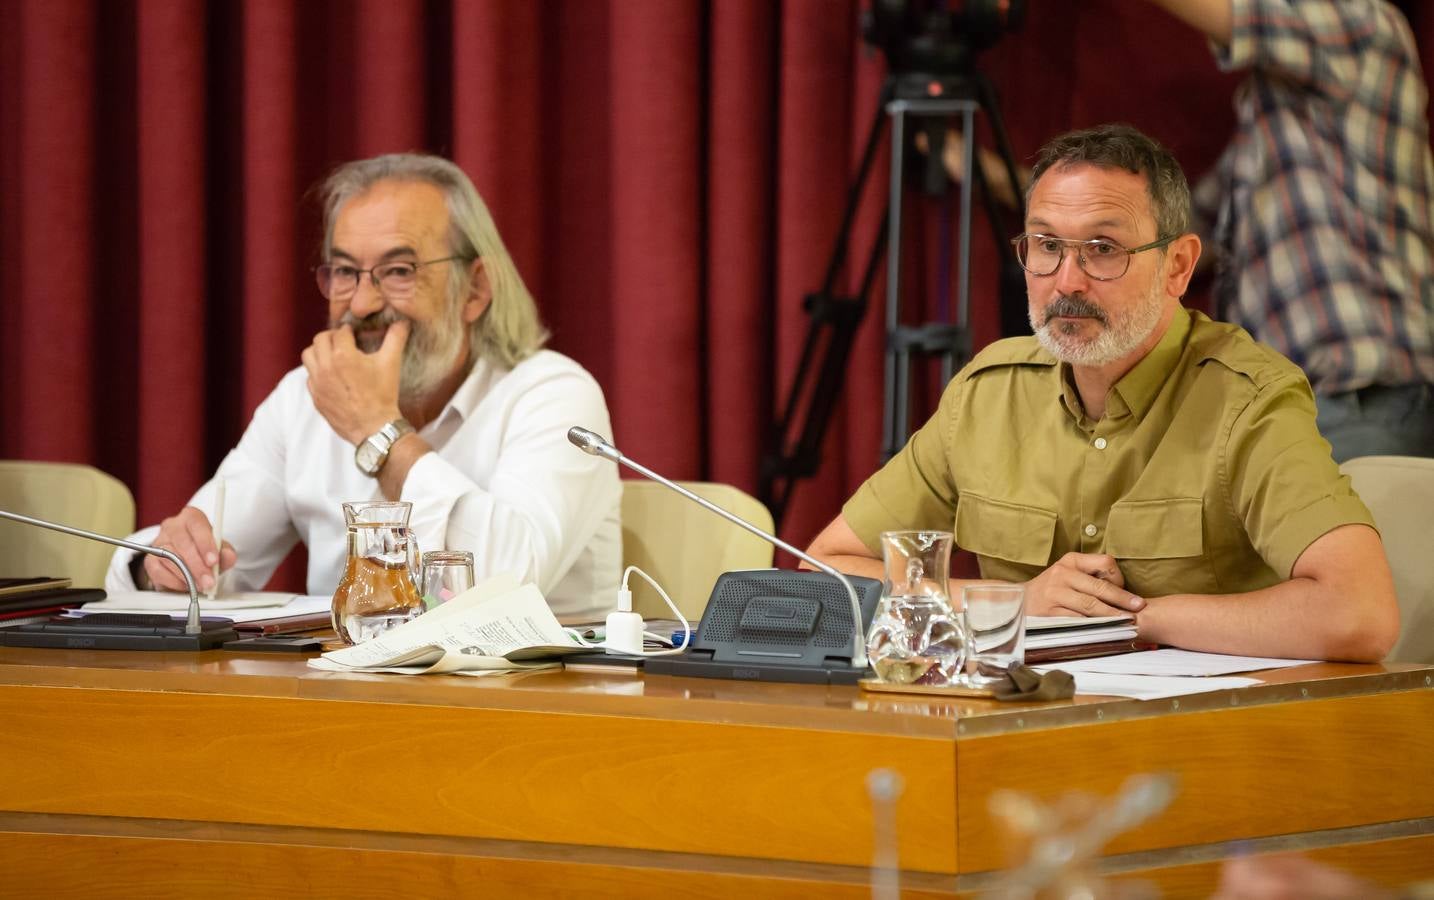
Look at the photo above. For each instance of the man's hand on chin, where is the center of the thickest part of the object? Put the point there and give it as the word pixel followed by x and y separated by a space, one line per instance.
pixel 355 392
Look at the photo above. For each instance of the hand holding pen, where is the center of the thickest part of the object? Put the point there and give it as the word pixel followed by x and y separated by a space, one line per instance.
pixel 191 536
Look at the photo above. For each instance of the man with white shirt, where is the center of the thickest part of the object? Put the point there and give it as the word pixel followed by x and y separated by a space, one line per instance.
pixel 430 386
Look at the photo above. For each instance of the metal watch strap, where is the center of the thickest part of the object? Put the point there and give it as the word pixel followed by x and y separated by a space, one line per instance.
pixel 382 442
pixel 394 430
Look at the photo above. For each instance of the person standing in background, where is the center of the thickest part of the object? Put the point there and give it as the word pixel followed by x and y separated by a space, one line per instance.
pixel 1323 208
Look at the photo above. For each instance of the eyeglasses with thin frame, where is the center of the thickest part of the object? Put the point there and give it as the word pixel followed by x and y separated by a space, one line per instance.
pixel 393 280
pixel 1101 259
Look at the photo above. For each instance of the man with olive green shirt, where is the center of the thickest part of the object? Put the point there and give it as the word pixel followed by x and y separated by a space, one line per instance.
pixel 1134 456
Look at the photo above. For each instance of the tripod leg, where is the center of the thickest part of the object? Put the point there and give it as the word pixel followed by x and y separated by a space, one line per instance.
pixel 893 413
pixel 1011 279
pixel 794 449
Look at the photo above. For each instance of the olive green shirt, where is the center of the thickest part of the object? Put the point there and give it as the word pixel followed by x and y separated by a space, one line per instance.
pixel 1206 475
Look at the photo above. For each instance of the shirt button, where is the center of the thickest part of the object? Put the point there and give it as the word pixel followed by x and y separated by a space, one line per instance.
pixel 1100 443
pixel 1090 531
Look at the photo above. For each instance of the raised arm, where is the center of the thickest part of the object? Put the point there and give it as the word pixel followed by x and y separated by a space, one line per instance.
pixel 1212 17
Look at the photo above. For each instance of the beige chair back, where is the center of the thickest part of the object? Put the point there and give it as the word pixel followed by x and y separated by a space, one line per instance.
pixel 685 547
pixel 1399 491
pixel 74 495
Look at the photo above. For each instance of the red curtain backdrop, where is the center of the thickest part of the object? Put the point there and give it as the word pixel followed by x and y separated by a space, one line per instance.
pixel 669 175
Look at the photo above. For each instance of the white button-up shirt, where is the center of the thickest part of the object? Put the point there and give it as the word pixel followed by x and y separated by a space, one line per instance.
pixel 502 482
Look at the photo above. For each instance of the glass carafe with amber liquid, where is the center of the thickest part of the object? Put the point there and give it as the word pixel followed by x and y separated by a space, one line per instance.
pixel 379 588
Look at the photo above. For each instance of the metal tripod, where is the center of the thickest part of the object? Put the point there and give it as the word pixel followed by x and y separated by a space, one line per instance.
pixel 795 443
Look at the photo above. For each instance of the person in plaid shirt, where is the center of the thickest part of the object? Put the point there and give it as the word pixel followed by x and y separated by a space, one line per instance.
pixel 1322 208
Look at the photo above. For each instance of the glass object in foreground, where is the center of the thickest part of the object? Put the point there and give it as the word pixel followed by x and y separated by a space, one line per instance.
pixel 996 624
pixel 377 591
pixel 446 574
pixel 916 638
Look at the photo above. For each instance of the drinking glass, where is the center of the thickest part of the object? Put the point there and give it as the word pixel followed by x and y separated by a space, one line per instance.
pixel 915 637
pixel 446 574
pixel 995 617
pixel 378 590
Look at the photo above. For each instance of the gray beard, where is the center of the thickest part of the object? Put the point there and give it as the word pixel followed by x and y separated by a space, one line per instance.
pixel 429 357
pixel 1120 336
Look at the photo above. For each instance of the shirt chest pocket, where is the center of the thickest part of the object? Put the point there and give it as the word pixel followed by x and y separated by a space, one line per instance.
pixel 1005 531
pixel 1160 546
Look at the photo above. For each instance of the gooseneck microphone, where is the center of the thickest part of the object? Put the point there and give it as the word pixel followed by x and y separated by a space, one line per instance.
pixel 595 445
pixel 192 623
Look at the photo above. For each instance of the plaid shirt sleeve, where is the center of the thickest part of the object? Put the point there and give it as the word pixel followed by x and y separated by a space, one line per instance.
pixel 1326 223
pixel 1314 43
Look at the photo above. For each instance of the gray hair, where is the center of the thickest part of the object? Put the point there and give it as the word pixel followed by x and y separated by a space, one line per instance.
pixel 1122 146
pixel 509 330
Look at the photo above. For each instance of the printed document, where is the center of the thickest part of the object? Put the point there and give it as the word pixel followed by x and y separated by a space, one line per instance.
pixel 495 626
pixel 1152 687
pixel 1169 661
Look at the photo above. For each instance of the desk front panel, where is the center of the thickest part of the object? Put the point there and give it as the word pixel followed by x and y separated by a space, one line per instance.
pixel 1249 771
pixel 759 791
pixel 732 782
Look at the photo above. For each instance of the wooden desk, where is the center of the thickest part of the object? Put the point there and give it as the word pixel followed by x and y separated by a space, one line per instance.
pixel 219 774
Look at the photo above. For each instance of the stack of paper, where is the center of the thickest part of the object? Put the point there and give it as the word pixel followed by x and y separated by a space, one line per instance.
pixel 250 606
pixel 1181 663
pixel 10 586
pixel 1043 632
pixel 26 600
pixel 1159 674
pixel 1152 687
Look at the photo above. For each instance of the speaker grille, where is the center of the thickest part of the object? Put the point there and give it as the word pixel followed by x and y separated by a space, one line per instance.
pixel 833 629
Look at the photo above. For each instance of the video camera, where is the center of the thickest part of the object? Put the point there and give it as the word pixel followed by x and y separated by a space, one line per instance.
pixel 937 40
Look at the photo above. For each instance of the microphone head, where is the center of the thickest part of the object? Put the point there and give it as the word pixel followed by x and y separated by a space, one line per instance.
pixel 591 443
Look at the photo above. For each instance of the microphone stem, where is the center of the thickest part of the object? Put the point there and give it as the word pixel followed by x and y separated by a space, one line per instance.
pixel 858 654
pixel 192 624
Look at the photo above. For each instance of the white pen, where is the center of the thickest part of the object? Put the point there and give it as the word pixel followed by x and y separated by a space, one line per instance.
pixel 218 537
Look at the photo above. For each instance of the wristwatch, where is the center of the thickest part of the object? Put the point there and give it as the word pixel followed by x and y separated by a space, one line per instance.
pixel 372 452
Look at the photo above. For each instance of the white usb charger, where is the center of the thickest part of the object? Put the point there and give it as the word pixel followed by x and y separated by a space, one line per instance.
pixel 625 629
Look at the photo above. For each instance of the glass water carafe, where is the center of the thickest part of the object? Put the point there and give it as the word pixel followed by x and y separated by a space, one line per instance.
pixel 378 590
pixel 916 637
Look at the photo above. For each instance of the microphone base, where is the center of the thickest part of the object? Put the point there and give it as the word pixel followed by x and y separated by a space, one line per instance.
pixel 119 631
pixel 776 625
pixel 698 667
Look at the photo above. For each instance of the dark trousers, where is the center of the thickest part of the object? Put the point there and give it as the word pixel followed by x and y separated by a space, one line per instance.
pixel 1379 421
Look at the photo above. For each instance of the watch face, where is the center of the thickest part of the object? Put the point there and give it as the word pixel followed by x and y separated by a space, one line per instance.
pixel 367 457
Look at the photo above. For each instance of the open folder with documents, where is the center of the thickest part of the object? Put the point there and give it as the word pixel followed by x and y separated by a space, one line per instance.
pixel 496 626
